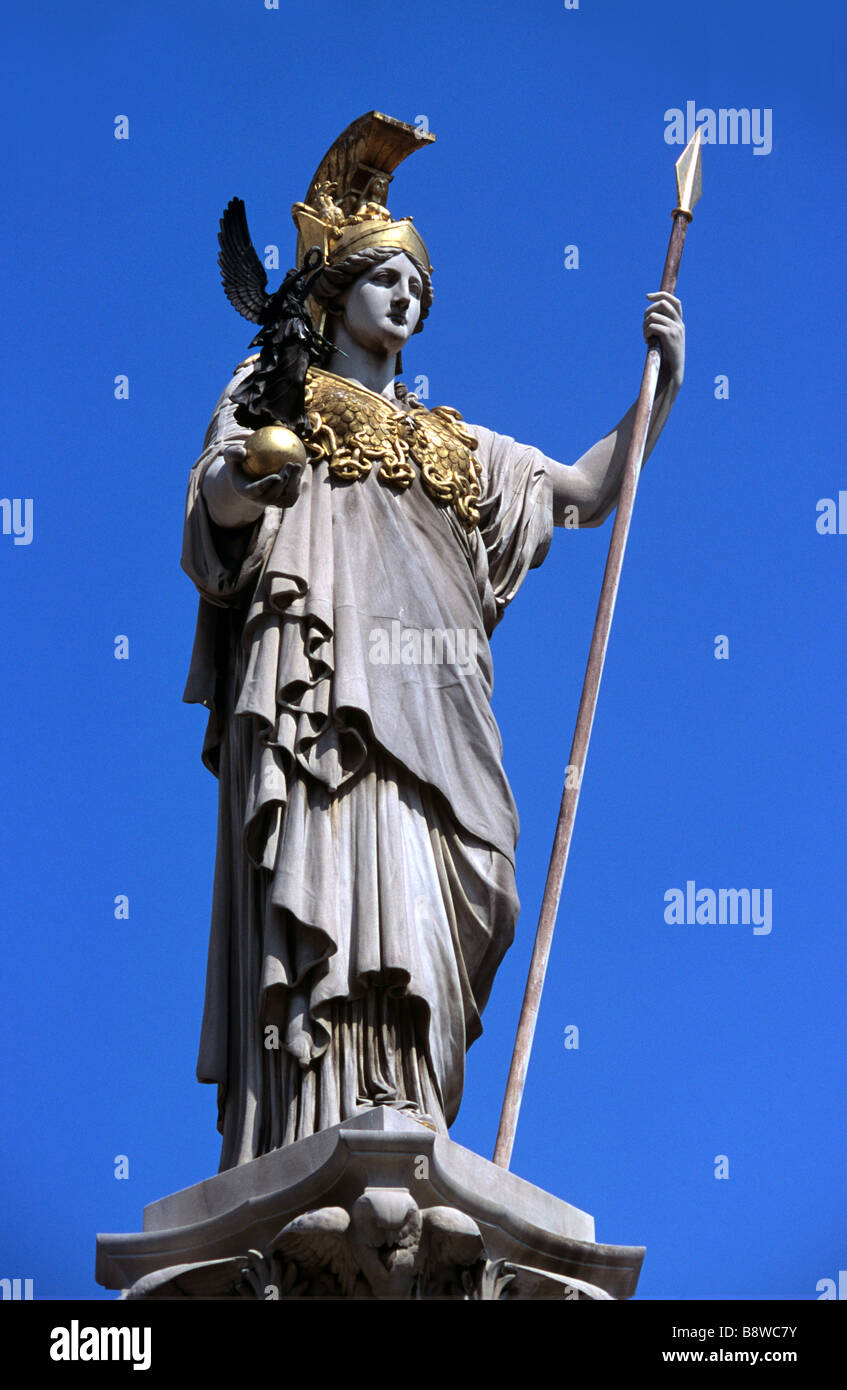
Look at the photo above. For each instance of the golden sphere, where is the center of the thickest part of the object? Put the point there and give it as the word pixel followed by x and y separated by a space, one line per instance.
pixel 270 449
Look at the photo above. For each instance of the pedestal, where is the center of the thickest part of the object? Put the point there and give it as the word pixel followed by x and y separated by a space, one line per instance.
pixel 376 1207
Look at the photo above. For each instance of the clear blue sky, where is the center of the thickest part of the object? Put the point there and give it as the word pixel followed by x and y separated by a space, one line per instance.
pixel 695 1041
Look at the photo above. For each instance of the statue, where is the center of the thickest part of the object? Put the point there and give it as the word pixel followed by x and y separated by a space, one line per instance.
pixel 353 551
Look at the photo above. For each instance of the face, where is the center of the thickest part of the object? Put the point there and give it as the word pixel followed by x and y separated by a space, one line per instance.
pixel 381 310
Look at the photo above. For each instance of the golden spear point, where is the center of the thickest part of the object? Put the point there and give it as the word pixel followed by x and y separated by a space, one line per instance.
pixel 689 175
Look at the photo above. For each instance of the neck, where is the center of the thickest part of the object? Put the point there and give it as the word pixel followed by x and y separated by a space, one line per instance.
pixel 373 369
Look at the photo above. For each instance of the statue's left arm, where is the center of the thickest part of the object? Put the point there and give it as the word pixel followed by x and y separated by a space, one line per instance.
pixel 592 484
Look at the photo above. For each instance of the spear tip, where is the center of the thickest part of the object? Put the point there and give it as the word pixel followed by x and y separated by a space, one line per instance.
pixel 689 174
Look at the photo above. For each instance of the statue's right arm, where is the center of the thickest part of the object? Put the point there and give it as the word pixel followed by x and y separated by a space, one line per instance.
pixel 234 499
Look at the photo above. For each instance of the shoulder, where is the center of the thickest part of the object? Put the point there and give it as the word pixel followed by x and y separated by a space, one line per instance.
pixel 486 439
pixel 504 452
pixel 244 367
pixel 239 372
pixel 223 417
pixel 497 453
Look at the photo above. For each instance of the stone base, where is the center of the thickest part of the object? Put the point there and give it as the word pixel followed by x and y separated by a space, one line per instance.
pixel 376 1207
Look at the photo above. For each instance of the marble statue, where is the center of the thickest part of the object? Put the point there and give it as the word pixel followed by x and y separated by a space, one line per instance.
pixel 364 890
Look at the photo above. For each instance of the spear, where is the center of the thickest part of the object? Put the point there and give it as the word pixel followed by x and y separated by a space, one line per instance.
pixel 688 189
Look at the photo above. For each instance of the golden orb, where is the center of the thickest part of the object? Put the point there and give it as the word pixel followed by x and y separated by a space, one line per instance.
pixel 271 449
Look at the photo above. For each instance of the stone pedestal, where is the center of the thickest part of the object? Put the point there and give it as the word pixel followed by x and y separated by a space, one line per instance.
pixel 377 1207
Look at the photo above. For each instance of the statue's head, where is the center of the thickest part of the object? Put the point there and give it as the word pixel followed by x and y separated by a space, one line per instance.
pixel 372 262
pixel 382 294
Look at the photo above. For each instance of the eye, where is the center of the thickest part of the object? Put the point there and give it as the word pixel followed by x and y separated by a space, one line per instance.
pixel 416 288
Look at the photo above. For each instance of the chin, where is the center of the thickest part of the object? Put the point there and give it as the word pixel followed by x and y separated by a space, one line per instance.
pixel 394 342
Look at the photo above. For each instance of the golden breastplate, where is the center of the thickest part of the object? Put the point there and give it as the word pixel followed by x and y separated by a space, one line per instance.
pixel 353 429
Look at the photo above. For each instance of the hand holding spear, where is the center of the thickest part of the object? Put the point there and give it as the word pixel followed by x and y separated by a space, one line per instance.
pixel 688 188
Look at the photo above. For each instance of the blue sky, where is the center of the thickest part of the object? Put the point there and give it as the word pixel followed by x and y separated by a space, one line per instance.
pixel 695 1040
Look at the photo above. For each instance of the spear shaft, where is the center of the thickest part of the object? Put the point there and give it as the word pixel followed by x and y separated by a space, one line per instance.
pixel 688 177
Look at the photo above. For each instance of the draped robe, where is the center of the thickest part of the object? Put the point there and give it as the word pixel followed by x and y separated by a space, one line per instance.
pixel 364 888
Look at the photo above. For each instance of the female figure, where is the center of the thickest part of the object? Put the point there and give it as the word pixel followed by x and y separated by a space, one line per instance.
pixel 364 887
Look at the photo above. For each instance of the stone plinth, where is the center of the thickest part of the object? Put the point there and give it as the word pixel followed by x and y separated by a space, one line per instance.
pixel 377 1207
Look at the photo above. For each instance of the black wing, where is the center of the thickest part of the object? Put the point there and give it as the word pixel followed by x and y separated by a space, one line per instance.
pixel 243 275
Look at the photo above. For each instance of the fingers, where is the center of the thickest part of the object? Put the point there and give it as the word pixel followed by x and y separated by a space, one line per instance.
pixel 264 488
pixel 660 323
pixel 665 304
pixel 663 320
pixel 277 489
pixel 235 453
pixel 246 482
pixel 667 298
pixel 234 456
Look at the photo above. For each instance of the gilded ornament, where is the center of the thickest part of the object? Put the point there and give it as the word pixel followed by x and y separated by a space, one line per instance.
pixel 354 429
pixel 270 449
